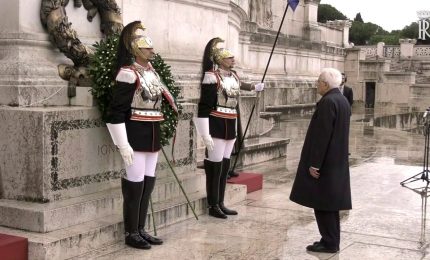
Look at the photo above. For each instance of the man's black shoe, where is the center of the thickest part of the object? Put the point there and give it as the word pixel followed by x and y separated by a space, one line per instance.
pixel 136 241
pixel 150 239
pixel 226 210
pixel 215 211
pixel 320 248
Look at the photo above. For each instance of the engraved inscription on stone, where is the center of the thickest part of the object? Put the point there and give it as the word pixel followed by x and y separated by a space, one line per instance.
pixel 83 152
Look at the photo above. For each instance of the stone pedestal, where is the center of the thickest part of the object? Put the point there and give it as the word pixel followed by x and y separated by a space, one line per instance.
pixel 407 48
pixel 57 154
pixel 28 61
pixel 312 32
pixel 380 50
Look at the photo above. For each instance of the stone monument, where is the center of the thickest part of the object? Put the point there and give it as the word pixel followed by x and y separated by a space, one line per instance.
pixel 59 170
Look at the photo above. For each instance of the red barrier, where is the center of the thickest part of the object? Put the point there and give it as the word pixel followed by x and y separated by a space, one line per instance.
pixel 253 181
pixel 13 247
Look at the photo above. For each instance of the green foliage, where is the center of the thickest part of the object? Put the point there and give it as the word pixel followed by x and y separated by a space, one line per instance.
pixel 102 72
pixel 388 39
pixel 411 31
pixel 358 18
pixel 360 33
pixel 168 126
pixel 327 12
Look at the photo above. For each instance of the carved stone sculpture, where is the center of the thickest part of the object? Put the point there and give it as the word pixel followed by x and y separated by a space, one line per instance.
pixel 54 19
pixel 260 12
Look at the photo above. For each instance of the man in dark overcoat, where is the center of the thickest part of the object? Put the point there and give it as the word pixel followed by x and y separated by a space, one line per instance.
pixel 346 91
pixel 322 180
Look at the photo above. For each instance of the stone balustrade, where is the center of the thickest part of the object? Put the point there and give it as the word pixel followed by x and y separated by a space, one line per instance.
pixel 368 51
pixel 422 51
pixel 394 51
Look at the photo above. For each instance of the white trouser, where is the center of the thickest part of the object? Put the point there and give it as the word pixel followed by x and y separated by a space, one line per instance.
pixel 144 164
pixel 222 149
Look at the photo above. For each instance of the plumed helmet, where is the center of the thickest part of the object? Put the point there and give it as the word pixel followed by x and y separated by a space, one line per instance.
pixel 213 55
pixel 133 39
pixel 218 54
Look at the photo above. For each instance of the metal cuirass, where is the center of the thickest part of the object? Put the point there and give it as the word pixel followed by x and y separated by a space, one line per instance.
pixel 229 91
pixel 148 94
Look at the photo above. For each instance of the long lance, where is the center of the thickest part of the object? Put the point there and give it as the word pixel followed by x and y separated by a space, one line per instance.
pixel 179 183
pixel 258 93
pixel 153 216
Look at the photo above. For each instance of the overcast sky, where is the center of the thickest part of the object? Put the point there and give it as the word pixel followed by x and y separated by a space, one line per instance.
pixel 389 14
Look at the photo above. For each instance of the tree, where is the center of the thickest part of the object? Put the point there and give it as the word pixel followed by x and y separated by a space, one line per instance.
pixel 360 33
pixel 327 12
pixel 389 39
pixel 358 18
pixel 411 32
pixel 392 38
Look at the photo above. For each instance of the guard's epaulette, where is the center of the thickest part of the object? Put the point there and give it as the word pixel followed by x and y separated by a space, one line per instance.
pixel 126 75
pixel 210 78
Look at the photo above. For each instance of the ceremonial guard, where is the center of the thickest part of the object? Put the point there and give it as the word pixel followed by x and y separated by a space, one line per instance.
pixel 217 120
pixel 134 126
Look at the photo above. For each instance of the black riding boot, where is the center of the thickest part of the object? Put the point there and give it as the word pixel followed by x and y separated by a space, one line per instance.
pixel 213 172
pixel 131 192
pixel 148 187
pixel 222 185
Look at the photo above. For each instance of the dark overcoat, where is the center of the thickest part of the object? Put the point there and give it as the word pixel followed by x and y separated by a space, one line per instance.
pixel 325 148
pixel 347 92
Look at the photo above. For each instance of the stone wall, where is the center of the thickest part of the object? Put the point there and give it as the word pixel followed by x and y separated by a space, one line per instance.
pixel 400 73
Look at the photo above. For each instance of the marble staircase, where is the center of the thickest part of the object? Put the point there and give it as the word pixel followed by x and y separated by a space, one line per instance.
pixel 87 223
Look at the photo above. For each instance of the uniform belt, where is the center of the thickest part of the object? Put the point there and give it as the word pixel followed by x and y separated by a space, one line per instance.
pixel 224 112
pixel 146 115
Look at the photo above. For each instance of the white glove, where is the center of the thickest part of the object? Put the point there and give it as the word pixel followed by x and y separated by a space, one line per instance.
pixel 202 127
pixel 209 142
pixel 119 138
pixel 127 154
pixel 259 87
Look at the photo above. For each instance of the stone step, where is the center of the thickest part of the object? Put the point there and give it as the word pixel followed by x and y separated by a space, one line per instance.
pixel 270 114
pixel 89 236
pixel 296 109
pixel 45 217
pixel 261 149
pixel 272 121
pixel 422 79
pixel 234 194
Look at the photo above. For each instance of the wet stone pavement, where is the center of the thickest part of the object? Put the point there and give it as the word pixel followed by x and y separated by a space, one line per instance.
pixel 385 221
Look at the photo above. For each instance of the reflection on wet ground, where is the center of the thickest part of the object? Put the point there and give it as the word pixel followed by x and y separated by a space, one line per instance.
pixel 367 142
pixel 384 223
